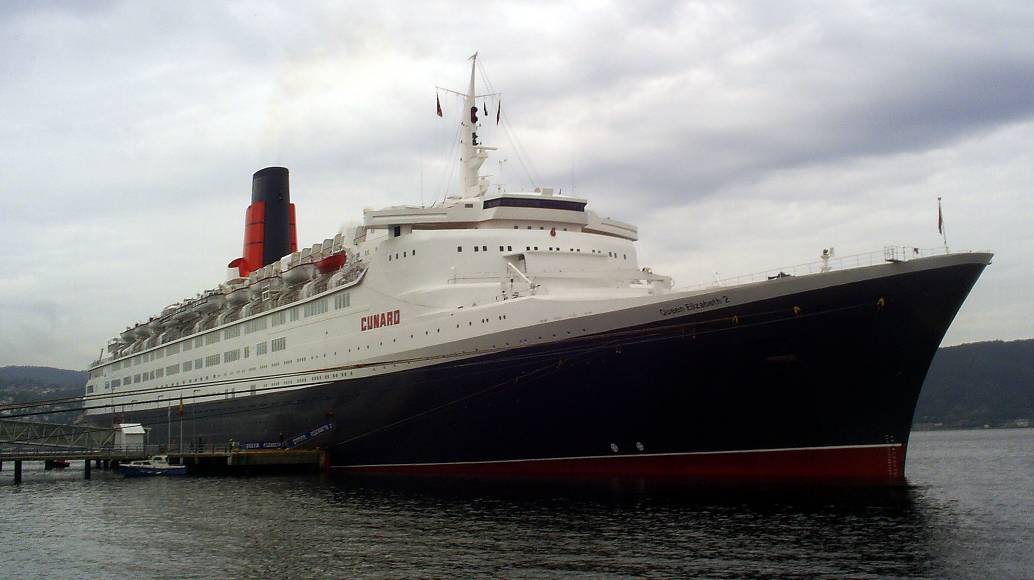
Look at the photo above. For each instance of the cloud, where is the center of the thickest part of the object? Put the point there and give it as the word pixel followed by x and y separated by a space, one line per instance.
pixel 739 136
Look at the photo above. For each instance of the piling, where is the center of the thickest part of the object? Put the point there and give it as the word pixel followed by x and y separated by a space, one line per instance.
pixel 86 469
pixel 17 471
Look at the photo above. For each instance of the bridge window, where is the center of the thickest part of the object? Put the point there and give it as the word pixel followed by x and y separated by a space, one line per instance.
pixel 459 248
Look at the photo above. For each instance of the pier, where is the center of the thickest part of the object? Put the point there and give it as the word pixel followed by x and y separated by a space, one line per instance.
pixel 54 444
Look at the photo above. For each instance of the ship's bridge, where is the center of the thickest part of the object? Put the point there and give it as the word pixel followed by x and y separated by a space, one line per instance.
pixel 541 209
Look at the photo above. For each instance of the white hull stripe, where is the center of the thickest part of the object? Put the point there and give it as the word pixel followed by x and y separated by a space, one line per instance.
pixel 627 456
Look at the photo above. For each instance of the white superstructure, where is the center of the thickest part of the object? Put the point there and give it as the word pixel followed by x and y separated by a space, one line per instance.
pixel 476 272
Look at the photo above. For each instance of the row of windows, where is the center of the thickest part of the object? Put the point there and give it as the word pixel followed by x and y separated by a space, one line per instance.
pixel 211 360
pixel 172 369
pixel 341 300
pixel 315 308
pixel 405 254
pixel 255 325
pixel 232 355
pixel 278 344
pixel 535 248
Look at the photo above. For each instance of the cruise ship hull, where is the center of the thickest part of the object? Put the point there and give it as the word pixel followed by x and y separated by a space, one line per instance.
pixel 816 384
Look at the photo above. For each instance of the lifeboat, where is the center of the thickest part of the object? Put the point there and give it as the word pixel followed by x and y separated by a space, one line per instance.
pixel 332 263
pixel 267 278
pixel 185 313
pixel 115 345
pixel 236 292
pixel 128 335
pixel 141 330
pixel 211 301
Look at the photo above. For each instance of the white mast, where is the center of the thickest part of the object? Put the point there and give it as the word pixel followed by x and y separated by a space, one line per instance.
pixel 473 153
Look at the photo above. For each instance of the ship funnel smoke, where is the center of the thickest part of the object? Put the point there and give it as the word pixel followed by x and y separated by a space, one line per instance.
pixel 269 222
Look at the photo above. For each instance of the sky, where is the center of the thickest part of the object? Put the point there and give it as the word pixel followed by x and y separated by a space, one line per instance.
pixel 738 137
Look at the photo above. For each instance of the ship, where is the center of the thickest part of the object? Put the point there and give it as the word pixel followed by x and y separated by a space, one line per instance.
pixel 517 334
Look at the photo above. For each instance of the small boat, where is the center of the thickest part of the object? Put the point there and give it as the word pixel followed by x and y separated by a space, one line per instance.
pixel 156 465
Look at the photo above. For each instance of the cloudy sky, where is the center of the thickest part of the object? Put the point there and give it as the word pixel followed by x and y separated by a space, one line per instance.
pixel 737 136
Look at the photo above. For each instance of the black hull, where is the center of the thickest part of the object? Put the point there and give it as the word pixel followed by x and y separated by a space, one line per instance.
pixel 824 381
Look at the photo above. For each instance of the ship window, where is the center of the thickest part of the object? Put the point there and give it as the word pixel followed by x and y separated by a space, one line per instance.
pixel 397 231
pixel 294 314
pixel 341 301
pixel 500 248
pixel 212 338
pixel 536 248
pixel 199 341
pixel 468 205
pixel 197 363
pixel 413 253
pixel 260 349
pixel 389 257
pixel 404 254
pixel 187 365
pixel 475 248
pixel 315 308
pixel 278 344
pixel 484 248
pixel 509 248
pixel 247 351
pixel 159 373
pixel 459 248
pixel 211 360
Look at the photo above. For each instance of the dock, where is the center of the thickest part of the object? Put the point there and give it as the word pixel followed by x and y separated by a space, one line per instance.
pixel 51 443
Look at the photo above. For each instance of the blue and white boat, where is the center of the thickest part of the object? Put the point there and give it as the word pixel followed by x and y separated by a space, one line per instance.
pixel 156 465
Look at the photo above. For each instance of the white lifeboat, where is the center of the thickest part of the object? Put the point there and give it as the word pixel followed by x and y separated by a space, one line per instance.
pixel 267 278
pixel 236 292
pixel 210 301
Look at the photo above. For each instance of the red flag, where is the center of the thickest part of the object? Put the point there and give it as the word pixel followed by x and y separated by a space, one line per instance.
pixel 498 109
pixel 438 103
pixel 940 217
pixel 180 411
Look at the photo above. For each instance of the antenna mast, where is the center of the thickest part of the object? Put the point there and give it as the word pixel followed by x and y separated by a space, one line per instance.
pixel 473 153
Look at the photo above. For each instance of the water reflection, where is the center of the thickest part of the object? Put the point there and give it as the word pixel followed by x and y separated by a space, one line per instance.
pixel 375 526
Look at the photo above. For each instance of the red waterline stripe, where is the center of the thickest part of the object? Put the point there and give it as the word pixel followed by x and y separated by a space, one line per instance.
pixel 866 462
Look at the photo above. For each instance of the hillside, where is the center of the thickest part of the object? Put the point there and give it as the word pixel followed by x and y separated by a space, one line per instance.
pixel 983 383
pixel 23 384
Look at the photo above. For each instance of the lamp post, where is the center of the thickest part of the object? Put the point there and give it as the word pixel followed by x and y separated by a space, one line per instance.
pixel 193 423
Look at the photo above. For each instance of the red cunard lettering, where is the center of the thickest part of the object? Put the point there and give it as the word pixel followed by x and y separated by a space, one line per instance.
pixel 389 318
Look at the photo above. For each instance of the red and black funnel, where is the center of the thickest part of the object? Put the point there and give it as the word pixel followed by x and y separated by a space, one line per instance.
pixel 269 228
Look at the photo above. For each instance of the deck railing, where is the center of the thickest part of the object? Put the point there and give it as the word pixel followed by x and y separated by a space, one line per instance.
pixel 888 254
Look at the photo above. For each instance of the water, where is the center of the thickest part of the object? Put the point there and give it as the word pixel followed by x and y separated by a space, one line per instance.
pixel 967 513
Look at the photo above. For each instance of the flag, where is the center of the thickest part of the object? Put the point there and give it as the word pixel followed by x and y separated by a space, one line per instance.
pixel 498 109
pixel 484 108
pixel 180 411
pixel 438 103
pixel 940 218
